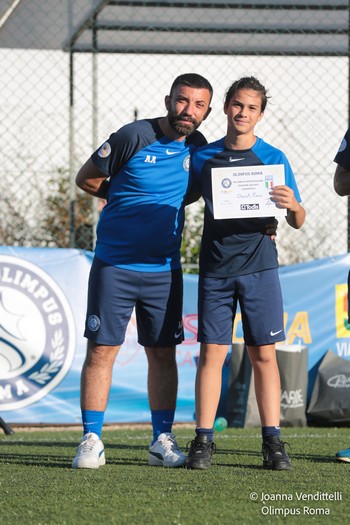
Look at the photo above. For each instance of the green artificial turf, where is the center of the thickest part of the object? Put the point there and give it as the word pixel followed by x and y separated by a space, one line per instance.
pixel 39 487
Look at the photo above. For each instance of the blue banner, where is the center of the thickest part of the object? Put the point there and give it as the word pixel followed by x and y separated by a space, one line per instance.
pixel 42 348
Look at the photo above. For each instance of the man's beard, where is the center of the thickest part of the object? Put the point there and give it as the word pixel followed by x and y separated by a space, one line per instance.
pixel 176 122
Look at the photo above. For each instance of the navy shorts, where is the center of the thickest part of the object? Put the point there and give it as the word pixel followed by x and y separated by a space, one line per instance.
pixel 260 299
pixel 113 293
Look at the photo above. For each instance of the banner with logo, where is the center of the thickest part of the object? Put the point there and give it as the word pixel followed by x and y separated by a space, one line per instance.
pixel 329 403
pixel 42 348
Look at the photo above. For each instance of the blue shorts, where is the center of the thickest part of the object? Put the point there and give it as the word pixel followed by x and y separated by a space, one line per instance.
pixel 113 293
pixel 260 299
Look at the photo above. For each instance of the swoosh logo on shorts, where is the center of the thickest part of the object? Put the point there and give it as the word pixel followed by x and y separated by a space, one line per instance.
pixel 275 333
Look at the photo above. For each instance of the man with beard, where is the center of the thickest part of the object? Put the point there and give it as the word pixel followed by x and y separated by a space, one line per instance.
pixel 142 171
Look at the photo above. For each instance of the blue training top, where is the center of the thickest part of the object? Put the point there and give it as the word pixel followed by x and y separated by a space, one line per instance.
pixel 232 247
pixel 140 228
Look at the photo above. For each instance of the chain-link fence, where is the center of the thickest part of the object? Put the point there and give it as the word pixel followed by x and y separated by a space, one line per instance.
pixel 72 72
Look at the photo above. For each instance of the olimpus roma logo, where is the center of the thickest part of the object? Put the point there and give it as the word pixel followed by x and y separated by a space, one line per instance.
pixel 37 333
pixel 341 311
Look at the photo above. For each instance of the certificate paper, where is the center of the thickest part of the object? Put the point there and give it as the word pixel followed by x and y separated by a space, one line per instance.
pixel 244 191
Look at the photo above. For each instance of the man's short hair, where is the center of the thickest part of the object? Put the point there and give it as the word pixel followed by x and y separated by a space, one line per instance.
pixel 192 80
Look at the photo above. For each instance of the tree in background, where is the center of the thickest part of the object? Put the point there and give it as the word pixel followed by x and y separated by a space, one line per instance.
pixel 57 218
pixel 48 222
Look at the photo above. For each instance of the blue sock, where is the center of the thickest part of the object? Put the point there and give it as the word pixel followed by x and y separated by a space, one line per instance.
pixel 92 421
pixel 162 421
pixel 270 431
pixel 205 432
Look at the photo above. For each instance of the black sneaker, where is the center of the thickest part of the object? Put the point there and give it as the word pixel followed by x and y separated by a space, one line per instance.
pixel 275 457
pixel 200 453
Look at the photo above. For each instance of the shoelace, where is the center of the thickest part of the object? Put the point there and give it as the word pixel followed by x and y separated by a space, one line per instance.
pixel 202 446
pixel 87 445
pixel 278 447
pixel 169 443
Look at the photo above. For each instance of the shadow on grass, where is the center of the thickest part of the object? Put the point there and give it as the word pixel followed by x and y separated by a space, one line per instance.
pixel 32 460
pixel 66 444
pixel 312 457
pixel 43 459
pixel 54 461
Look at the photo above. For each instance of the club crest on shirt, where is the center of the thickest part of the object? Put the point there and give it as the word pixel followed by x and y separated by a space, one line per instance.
pixel 105 150
pixel 342 146
pixel 37 333
pixel 186 163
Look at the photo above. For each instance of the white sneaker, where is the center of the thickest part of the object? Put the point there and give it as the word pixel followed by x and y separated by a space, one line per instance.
pixel 165 452
pixel 90 453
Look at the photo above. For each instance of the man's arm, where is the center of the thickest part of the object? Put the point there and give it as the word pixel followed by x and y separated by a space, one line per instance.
pixel 341 181
pixel 92 180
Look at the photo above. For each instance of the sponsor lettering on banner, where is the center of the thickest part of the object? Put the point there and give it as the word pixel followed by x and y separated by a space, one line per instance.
pixel 42 347
pixel 292 398
pixel 341 311
pixel 339 381
pixel 341 320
